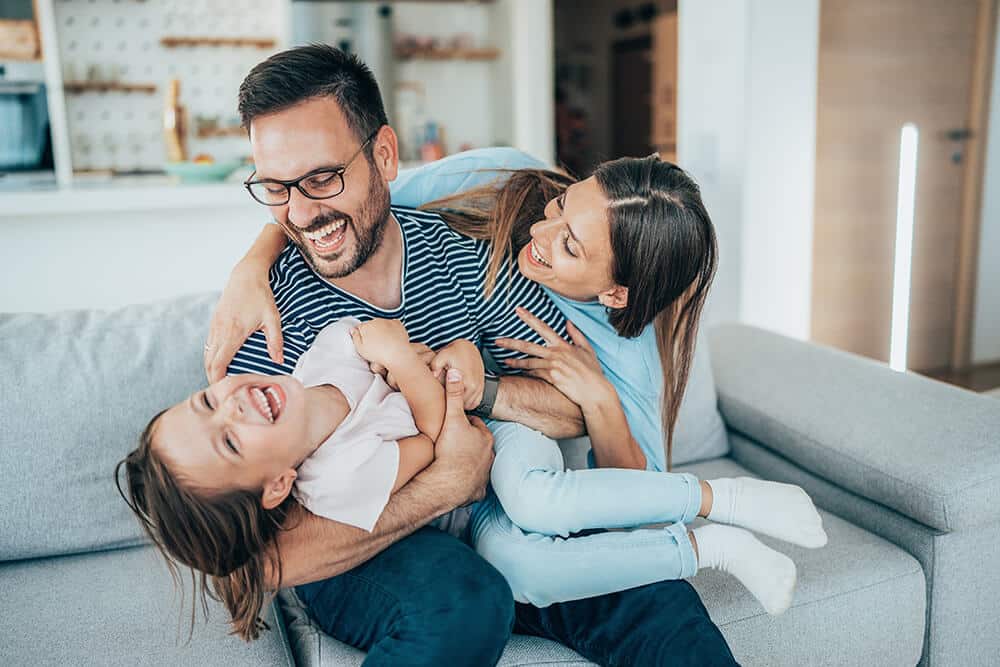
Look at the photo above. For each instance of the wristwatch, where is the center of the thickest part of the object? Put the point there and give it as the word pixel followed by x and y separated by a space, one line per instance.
pixel 485 407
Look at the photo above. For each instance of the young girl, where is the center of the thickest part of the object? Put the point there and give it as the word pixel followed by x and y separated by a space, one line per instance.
pixel 213 476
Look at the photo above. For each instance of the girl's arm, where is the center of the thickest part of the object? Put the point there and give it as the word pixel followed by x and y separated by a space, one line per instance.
pixel 415 454
pixel 386 343
pixel 610 436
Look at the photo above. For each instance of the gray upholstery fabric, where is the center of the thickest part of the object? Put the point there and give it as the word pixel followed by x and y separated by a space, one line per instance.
pixel 78 389
pixel 314 648
pixel 880 434
pixel 849 593
pixel 116 608
pixel 963 573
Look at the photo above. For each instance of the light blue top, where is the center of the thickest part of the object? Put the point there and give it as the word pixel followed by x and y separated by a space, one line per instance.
pixel 631 365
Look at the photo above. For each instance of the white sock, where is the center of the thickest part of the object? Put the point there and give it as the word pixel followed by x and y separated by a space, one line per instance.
pixel 768 574
pixel 783 511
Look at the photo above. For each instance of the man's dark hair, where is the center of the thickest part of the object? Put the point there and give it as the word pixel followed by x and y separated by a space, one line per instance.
pixel 317 70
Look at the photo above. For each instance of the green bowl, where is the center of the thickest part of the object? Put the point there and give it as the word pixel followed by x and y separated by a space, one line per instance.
pixel 201 172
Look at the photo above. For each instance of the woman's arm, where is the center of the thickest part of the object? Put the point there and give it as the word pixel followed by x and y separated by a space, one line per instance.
pixel 573 369
pixel 246 305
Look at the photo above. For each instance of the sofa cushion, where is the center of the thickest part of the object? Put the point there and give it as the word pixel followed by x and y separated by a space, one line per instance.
pixel 850 593
pixel 117 608
pixel 78 388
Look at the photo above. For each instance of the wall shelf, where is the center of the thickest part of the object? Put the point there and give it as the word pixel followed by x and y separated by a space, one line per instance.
pixel 447 54
pixel 255 42
pixel 231 131
pixel 76 87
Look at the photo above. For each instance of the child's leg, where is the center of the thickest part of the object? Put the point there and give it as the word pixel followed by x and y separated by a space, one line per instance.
pixel 543 570
pixel 540 496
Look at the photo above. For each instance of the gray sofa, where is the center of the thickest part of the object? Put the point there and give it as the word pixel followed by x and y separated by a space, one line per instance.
pixel 905 469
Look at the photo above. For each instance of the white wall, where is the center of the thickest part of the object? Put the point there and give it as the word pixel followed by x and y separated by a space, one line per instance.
pixel 780 167
pixel 711 129
pixel 986 325
pixel 747 133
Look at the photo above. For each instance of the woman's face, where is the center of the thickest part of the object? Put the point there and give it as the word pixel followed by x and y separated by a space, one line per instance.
pixel 238 433
pixel 570 250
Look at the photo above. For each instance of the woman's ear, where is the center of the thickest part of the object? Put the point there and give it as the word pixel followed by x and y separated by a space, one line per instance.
pixel 616 297
pixel 278 489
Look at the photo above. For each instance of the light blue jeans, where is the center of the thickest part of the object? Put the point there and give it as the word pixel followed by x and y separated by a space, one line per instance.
pixel 524 526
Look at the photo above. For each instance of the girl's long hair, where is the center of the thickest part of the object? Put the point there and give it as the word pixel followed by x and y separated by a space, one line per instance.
pixel 662 239
pixel 227 538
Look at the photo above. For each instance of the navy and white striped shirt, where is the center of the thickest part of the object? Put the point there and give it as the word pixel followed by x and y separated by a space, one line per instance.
pixel 443 298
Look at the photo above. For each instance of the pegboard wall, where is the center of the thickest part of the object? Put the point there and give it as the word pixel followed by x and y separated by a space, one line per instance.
pixel 120 41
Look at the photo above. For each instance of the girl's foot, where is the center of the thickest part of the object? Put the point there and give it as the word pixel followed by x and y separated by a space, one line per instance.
pixel 783 511
pixel 768 574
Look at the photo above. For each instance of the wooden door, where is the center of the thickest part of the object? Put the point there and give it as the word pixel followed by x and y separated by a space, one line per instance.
pixel 664 102
pixel 883 64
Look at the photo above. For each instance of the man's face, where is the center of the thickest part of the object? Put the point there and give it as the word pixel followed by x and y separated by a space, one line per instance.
pixel 337 235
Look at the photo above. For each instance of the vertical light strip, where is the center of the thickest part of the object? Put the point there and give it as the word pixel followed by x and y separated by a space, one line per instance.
pixel 905 198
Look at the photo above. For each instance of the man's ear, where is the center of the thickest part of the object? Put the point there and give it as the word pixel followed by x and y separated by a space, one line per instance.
pixel 615 297
pixel 278 489
pixel 385 152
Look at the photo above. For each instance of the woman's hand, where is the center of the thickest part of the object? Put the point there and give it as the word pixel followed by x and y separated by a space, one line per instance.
pixel 246 305
pixel 464 356
pixel 570 366
pixel 383 342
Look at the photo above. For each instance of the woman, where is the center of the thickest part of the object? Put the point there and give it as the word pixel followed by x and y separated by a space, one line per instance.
pixel 628 255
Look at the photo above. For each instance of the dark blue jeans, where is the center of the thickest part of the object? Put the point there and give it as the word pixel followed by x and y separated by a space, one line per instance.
pixel 431 600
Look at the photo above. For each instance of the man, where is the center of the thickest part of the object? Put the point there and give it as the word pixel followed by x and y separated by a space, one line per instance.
pixel 324 156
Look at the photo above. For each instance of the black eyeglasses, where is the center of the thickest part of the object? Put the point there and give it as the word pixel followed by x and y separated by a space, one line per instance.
pixel 322 183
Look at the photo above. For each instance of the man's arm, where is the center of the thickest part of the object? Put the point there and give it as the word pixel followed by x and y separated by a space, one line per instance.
pixel 538 405
pixel 315 548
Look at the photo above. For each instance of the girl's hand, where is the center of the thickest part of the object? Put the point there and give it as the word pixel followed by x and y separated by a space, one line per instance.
pixel 571 367
pixel 464 356
pixel 383 342
pixel 246 305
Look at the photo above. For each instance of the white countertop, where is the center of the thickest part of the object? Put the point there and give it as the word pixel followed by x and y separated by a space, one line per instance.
pixel 139 193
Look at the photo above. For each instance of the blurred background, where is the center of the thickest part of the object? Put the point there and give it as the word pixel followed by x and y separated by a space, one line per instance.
pixel 845 148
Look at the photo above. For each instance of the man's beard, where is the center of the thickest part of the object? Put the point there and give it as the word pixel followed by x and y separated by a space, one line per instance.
pixel 373 216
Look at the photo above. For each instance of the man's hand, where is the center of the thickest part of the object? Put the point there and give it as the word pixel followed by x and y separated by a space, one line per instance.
pixel 464 356
pixel 463 453
pixel 246 306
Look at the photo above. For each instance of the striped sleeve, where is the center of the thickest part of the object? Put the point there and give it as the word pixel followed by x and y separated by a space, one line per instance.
pixel 497 318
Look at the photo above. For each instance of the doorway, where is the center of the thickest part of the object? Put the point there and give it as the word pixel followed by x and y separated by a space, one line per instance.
pixel 882 65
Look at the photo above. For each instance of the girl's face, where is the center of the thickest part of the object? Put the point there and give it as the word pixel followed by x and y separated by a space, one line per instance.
pixel 241 432
pixel 570 250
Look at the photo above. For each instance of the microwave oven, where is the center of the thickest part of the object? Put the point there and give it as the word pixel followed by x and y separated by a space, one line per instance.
pixel 25 134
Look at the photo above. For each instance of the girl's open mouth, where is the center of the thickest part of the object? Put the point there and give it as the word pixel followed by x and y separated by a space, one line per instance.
pixel 269 401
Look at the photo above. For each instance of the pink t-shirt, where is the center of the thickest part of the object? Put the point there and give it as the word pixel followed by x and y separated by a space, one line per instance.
pixel 349 478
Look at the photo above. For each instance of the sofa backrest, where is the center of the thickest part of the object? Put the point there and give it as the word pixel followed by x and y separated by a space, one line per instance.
pixel 76 390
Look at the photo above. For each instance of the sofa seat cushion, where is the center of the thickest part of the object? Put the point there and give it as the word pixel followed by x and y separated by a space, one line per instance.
pixel 848 593
pixel 117 608
pixel 860 600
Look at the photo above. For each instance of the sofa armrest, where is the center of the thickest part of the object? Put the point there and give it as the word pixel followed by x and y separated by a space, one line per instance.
pixel 926 449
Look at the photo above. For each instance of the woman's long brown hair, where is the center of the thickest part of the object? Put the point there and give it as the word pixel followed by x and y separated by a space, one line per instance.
pixel 662 239
pixel 227 538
